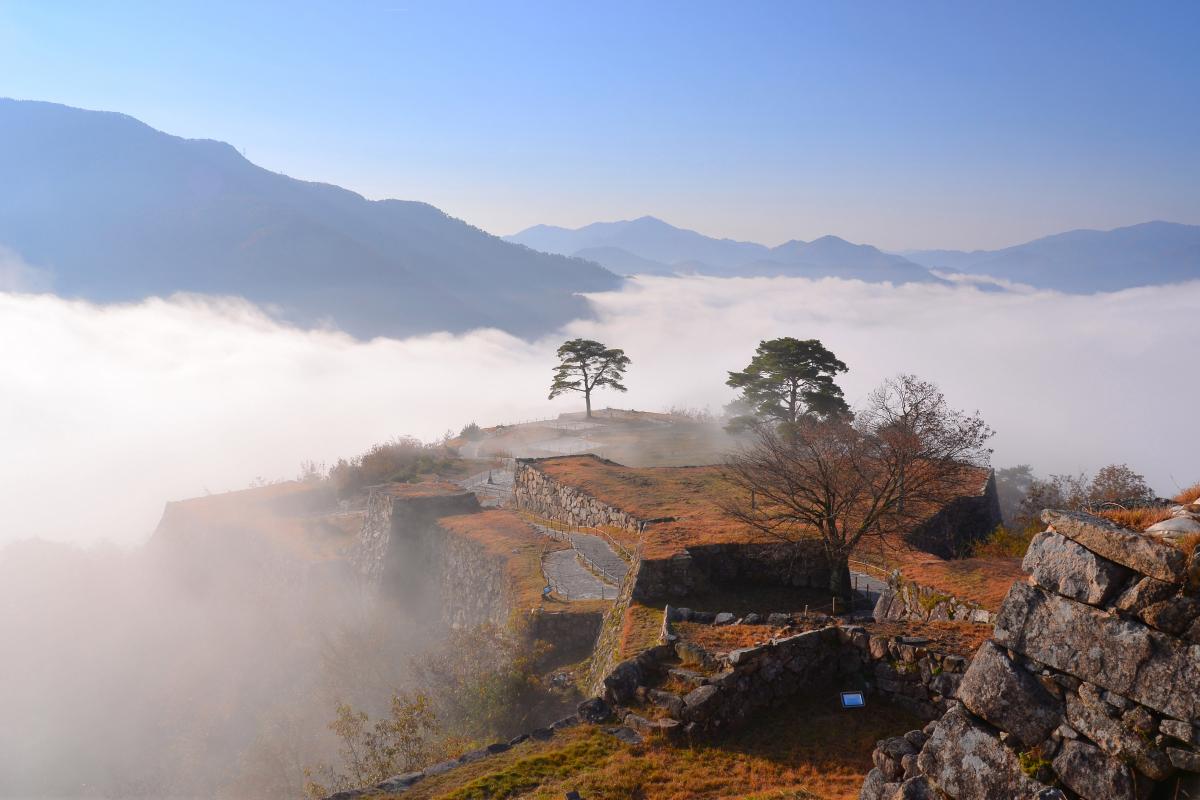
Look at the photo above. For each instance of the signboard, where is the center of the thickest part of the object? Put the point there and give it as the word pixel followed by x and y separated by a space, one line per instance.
pixel 853 700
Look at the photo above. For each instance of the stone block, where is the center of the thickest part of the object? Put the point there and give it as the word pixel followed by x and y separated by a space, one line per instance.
pixel 743 655
pixel 1173 615
pixel 1007 696
pixel 872 788
pixel 621 684
pixel 1178 729
pixel 1140 553
pixel 1186 760
pixel 1121 655
pixel 878 647
pixel 700 702
pixel 1143 593
pixel 967 760
pixel 1071 570
pixel 889 754
pixel 946 684
pixel 672 702
pixel 594 710
pixel 918 788
pixel 1087 714
pixel 1092 775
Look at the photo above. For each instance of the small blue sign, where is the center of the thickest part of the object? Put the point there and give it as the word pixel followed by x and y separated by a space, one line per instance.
pixel 853 700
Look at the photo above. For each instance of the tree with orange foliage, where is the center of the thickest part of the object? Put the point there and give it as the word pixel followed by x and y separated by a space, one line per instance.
pixel 901 457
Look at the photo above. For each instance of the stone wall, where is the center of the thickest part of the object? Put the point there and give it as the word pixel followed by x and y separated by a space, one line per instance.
pixel 904 599
pixel 961 523
pixel 573 634
pixel 1089 688
pixel 698 568
pixel 730 688
pixel 474 584
pixel 393 522
pixel 608 643
pixel 538 493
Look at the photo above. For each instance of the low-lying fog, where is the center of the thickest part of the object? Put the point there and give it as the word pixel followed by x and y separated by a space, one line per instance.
pixel 130 673
pixel 108 411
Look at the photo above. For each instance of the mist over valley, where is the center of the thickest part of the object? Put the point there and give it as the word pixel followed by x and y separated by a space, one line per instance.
pixel 824 431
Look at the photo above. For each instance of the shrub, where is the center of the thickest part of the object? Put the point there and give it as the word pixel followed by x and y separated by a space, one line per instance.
pixel 1006 542
pixel 471 432
pixel 483 682
pixel 372 753
pixel 403 460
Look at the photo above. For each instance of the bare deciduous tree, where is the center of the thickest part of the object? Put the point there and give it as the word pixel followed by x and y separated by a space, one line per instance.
pixel 904 455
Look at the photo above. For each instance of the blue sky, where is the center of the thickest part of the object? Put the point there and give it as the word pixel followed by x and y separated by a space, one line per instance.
pixel 901 124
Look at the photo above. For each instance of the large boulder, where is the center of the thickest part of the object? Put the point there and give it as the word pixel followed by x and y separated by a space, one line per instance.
pixel 872 787
pixel 968 761
pixel 1087 771
pixel 1008 697
pixel 1121 545
pixel 1069 569
pixel 1120 655
pixel 621 684
pixel 594 710
pixel 889 755
pixel 700 703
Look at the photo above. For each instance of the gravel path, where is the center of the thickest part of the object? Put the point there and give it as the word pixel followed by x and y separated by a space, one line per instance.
pixel 493 487
pixel 600 556
pixel 572 580
pixel 869 589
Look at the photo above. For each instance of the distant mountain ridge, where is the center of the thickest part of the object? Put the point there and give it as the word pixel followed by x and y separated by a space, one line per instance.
pixel 1080 261
pixel 650 246
pixel 1086 260
pixel 115 210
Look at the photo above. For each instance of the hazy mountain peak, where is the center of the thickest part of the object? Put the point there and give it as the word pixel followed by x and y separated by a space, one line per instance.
pixel 1086 260
pixel 117 210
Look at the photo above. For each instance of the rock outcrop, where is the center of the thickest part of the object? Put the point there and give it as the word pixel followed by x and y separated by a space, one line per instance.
pixel 903 599
pixel 1089 688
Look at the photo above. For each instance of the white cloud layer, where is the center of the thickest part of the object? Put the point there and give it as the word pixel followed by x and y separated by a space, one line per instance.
pixel 108 411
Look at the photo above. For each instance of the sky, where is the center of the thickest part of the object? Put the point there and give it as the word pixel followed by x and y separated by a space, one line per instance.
pixel 904 125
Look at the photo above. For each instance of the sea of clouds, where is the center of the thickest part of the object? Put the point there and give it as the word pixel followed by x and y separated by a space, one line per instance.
pixel 108 411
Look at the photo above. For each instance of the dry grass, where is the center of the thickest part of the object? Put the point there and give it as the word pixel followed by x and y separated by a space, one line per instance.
pixel 640 629
pixel 981 580
pixel 1187 543
pixel 285 516
pixel 954 638
pixel 506 537
pixel 425 489
pixel 807 748
pixel 692 496
pixel 723 638
pixel 1136 519
pixel 1189 495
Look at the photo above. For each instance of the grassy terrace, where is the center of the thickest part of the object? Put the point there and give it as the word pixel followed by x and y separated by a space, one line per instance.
pixel 504 535
pixel 981 580
pixel 809 748
pixel 690 495
pixel 956 638
pixel 278 514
